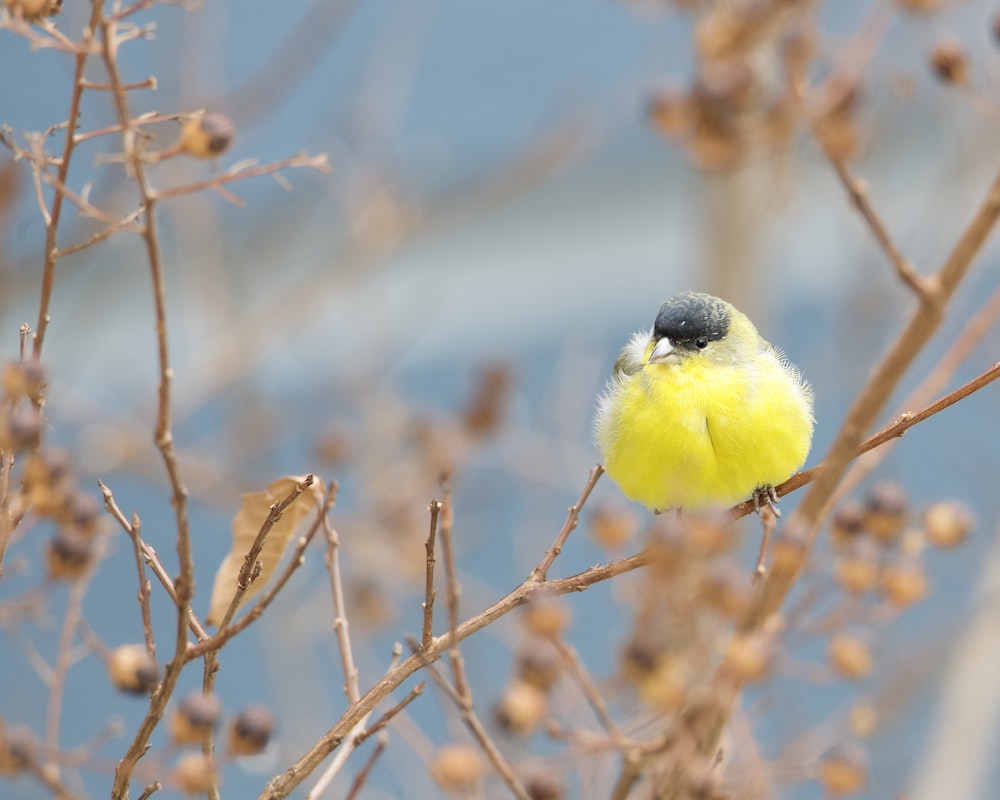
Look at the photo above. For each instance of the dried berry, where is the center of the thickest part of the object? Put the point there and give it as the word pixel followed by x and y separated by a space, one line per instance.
pixel 34 10
pixel 521 708
pixel 885 510
pixel 857 568
pixel 612 525
pixel 69 554
pixel 194 718
pixel 132 669
pixel 844 770
pixel 24 379
pixel 456 768
pixel 194 774
pixel 850 656
pixel 847 524
pixel 250 731
pixel 546 615
pixel 20 429
pixel 947 524
pixel 207 135
pixel 539 664
pixel 904 582
pixel 949 62
pixel 725 589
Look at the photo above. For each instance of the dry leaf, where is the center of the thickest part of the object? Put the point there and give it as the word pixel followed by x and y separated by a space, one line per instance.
pixel 247 524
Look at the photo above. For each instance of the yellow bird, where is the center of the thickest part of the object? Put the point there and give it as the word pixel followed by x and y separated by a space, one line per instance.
pixel 702 412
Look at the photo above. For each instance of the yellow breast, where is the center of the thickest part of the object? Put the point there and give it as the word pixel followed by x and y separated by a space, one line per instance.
pixel 701 434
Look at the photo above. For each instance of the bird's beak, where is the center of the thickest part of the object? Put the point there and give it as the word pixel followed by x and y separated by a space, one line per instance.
pixel 663 352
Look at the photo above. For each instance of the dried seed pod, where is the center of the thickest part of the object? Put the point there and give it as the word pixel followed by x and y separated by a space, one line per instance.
pixel 612 524
pixel 194 774
pixel 24 379
pixel 68 554
pixel 250 731
pixel 847 524
pixel 20 429
pixel 949 62
pixel 669 112
pixel 34 10
pixel 885 510
pixel 750 655
pixel 546 615
pixel 710 534
pixel 948 523
pixel 545 786
pixel 456 768
pixel 17 749
pixel 789 551
pixel 857 568
pixel 904 582
pixel 207 135
pixel 194 718
pixel 667 545
pixel 850 655
pixel 863 719
pixel 488 406
pixel 844 770
pixel 539 664
pixel 521 708
pixel 725 589
pixel 48 480
pixel 132 669
pixel 82 512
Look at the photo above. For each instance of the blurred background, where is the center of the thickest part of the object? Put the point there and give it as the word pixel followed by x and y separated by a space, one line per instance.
pixel 510 197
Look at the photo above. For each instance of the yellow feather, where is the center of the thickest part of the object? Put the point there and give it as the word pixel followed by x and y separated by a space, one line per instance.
pixel 708 428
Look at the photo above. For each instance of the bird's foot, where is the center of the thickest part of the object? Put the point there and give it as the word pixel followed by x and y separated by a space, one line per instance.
pixel 764 496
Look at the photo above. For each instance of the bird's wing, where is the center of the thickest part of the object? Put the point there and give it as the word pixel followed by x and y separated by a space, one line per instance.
pixel 629 360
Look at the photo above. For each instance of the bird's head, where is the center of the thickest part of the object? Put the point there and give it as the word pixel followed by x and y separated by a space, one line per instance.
pixel 700 326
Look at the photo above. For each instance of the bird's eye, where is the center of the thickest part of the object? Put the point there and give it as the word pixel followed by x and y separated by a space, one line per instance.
pixel 701 342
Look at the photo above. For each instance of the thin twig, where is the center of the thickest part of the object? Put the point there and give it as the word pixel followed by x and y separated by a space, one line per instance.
pixel 893 430
pixel 572 518
pixel 249 569
pixel 586 683
pixel 963 345
pixel 479 733
pixel 858 192
pixel 365 771
pixel 83 52
pixel 151 558
pixel 453 589
pixel 246 170
pixel 429 594
pixel 224 634
pixel 386 718
pixel 769 521
pixel 282 785
pixel 340 622
pixel 150 790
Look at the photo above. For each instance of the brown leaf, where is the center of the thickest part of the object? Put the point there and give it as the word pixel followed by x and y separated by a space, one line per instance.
pixel 247 524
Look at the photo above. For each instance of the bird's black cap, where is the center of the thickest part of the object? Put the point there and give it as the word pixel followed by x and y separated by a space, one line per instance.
pixel 690 316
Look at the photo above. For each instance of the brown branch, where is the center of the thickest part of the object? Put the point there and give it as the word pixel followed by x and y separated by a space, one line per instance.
pixel 365 771
pixel 803 526
pixel 858 192
pixel 246 170
pixel 250 568
pixel 223 635
pixel 151 558
pixel 586 683
pixel 428 606
pixel 52 227
pixel 963 345
pixel 340 623
pixel 386 718
pixel 893 430
pixel 453 589
pixel 466 709
pixel 572 518
pixel 282 785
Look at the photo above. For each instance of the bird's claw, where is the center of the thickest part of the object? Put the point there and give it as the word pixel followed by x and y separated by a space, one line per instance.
pixel 766 496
